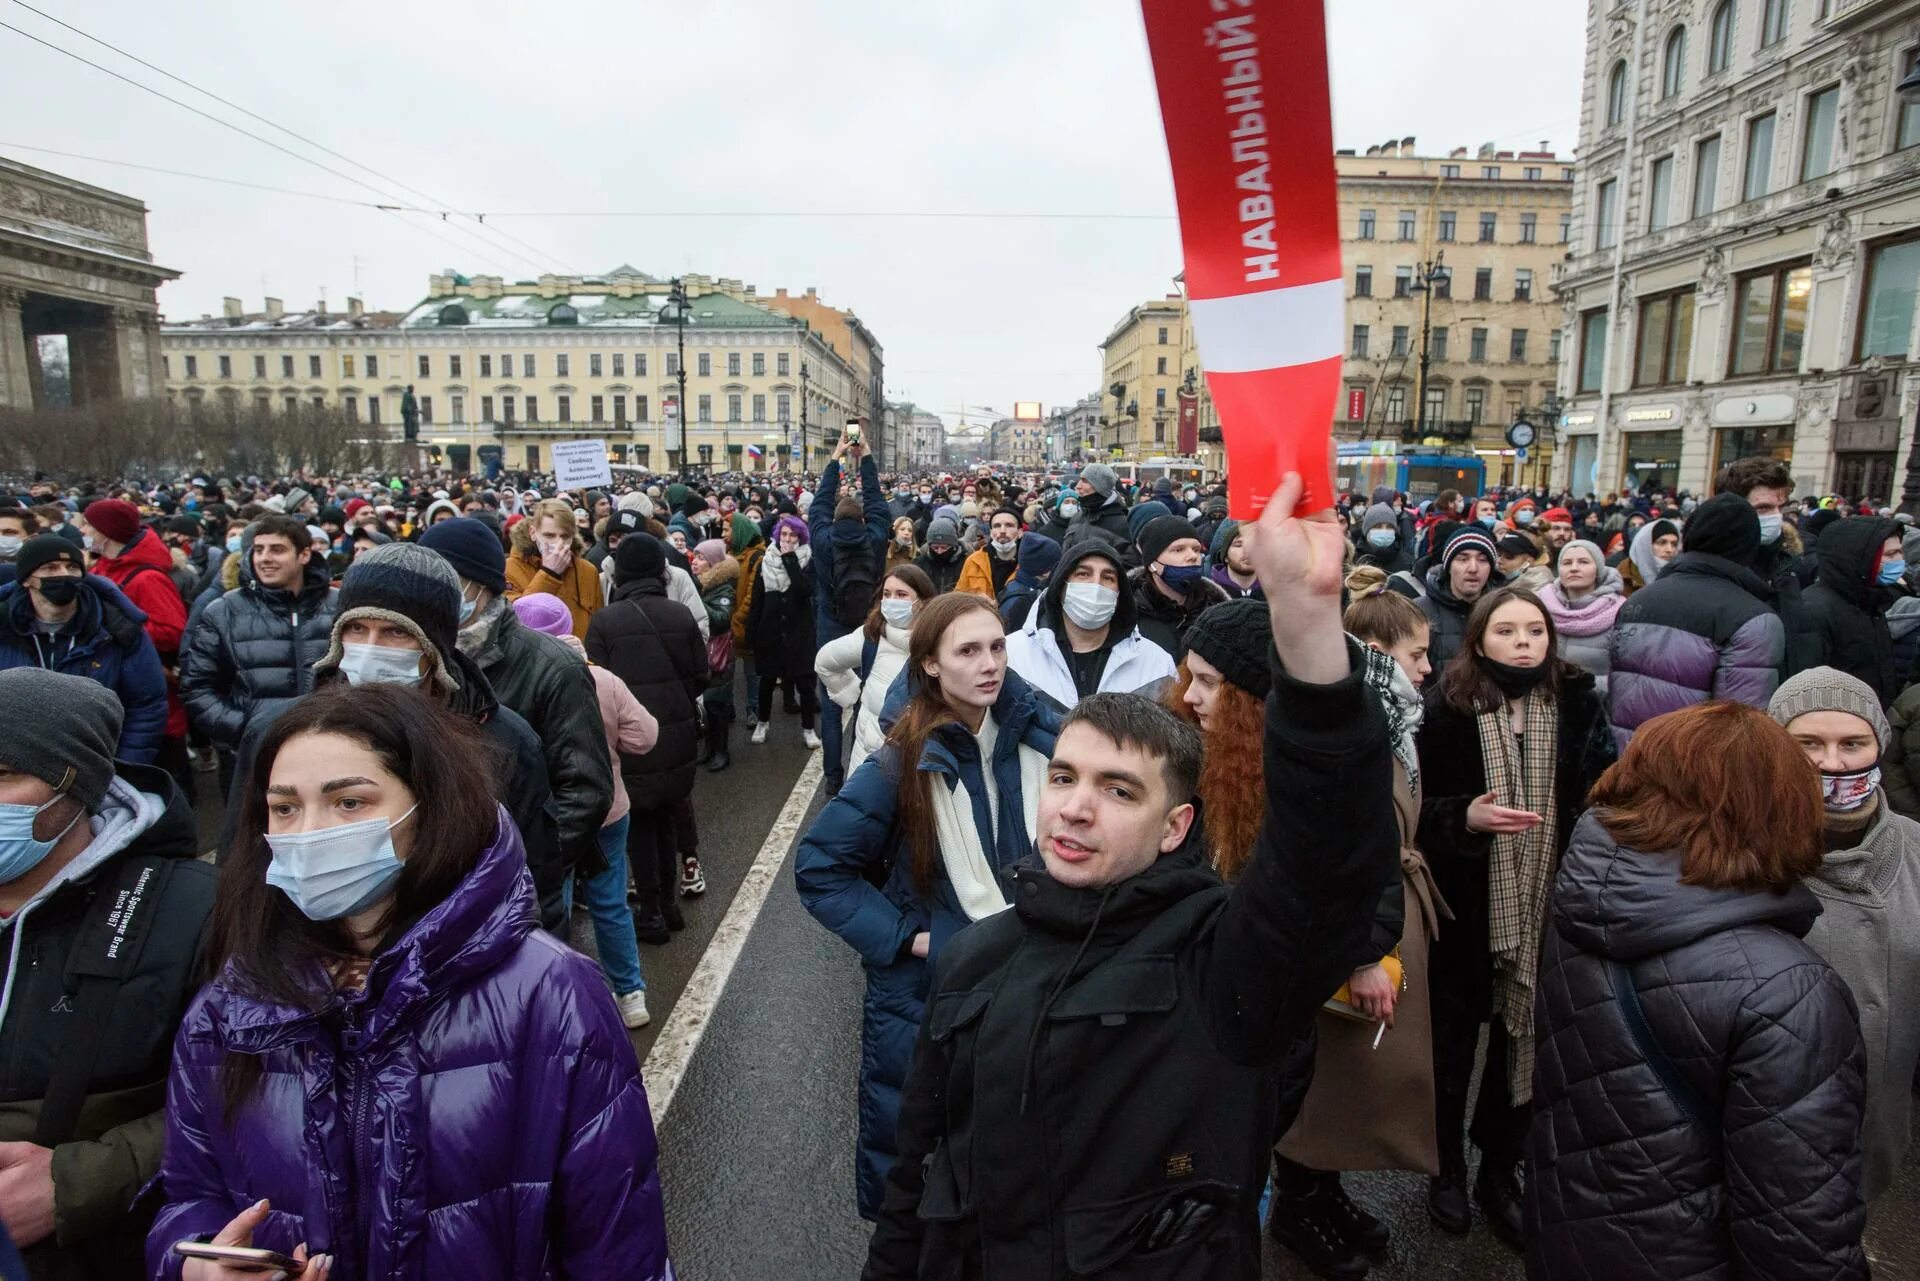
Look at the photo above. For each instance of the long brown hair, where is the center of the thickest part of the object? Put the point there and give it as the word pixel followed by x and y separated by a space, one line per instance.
pixel 927 710
pixel 1233 780
pixel 913 576
pixel 1467 686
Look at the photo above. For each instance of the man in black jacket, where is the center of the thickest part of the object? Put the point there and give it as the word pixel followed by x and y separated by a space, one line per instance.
pixel 1767 485
pixel 1846 607
pixel 539 678
pixel 102 908
pixel 1096 1082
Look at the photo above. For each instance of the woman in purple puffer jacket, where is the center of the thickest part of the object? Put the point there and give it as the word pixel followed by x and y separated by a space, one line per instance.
pixel 396 1073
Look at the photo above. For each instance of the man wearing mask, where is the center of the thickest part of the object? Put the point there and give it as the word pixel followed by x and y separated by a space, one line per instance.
pixel 540 679
pixel 1380 541
pixel 56 616
pixel 103 903
pixel 986 571
pixel 258 643
pixel 1862 572
pixel 942 560
pixel 1767 485
pixel 1081 636
pixel 17 525
pixel 1463 575
pixel 1486 513
pixel 1171 587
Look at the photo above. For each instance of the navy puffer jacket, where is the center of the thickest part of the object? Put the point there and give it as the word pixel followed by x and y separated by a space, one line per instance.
pixel 106 641
pixel 1765 1180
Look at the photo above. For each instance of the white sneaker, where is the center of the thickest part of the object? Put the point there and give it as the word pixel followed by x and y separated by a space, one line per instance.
pixel 760 732
pixel 633 1009
pixel 811 739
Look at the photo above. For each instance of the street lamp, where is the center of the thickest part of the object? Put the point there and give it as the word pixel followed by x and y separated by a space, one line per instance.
pixel 1908 90
pixel 803 418
pixel 1427 276
pixel 677 299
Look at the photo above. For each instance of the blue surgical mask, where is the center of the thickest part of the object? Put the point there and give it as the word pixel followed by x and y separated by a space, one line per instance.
pixel 1892 571
pixel 1181 578
pixel 1488 522
pixel 466 610
pixel 336 871
pixel 233 545
pixel 1069 509
pixel 1383 537
pixel 1770 530
pixel 898 613
pixel 379 664
pixel 20 850
pixel 1523 517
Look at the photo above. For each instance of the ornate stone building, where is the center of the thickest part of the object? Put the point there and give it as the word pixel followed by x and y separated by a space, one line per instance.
pixel 74 261
pixel 1746 247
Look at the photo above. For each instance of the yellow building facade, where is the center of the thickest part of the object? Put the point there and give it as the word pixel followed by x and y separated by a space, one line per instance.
pixel 1140 376
pixel 520 366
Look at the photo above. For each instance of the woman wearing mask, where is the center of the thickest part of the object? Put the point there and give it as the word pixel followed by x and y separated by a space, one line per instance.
pixel 780 628
pixel 1653 546
pixel 858 669
pixel 1511 740
pixel 1868 884
pixel 1583 599
pixel 901 548
pixel 1701 1078
pixel 923 839
pixel 387 1035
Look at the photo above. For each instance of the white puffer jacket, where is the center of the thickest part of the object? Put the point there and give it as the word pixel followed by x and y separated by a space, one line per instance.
pixel 838 666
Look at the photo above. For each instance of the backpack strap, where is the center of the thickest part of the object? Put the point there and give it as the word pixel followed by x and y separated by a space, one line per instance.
pixel 869 650
pixel 1678 1088
pixel 112 936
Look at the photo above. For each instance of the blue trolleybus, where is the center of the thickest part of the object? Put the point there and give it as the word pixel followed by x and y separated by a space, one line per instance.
pixel 1416 471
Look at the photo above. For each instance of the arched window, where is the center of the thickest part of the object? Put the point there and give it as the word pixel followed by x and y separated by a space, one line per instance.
pixel 1617 93
pixel 1673 66
pixel 1720 41
pixel 453 314
pixel 563 314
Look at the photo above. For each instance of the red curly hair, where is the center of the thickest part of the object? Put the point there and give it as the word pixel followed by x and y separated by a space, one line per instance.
pixel 1233 781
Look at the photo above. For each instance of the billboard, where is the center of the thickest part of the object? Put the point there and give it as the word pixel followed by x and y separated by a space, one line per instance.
pixel 1026 411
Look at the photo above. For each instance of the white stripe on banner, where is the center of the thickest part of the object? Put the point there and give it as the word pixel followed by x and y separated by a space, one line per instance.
pixel 1272 329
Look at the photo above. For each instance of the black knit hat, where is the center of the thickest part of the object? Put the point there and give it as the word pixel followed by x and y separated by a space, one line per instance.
pixel 1236 637
pixel 693 505
pixel 410 586
pixel 639 556
pixel 472 549
pixel 42 550
pixel 1725 525
pixel 1161 533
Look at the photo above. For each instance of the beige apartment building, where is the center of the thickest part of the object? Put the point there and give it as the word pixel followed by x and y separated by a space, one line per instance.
pixel 516 367
pixel 1486 230
pixel 1140 375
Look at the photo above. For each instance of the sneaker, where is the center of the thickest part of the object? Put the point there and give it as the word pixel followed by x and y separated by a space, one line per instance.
pixel 691 880
pixel 633 1009
pixel 811 739
pixel 760 732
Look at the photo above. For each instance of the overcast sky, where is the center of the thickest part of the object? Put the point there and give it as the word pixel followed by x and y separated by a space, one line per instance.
pixel 743 107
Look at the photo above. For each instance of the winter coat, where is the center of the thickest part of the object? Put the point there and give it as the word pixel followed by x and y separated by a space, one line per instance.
pixel 749 561
pixel 143 571
pixel 1038 650
pixel 254 645
pixel 1702 631
pixel 780 625
pixel 114 1146
pixel 1110 517
pixel 546 684
pixel 945 570
pixel 651 643
pixel 1453 771
pixel 1224 580
pixel 984 574
pixel 1585 627
pixel 1869 893
pixel 838 667
pixel 1900 763
pixel 1447 614
pixel 579 587
pixel 1622 1181
pixel 105 641
pixel 1095 1057
pixel 1164 621
pixel 476 1110
pixel 899 553
pixel 832 539
pixel 1847 610
pixel 719 589
pixel 1777 564
pixel 1016 599
pixel 855 876
pixel 1392 560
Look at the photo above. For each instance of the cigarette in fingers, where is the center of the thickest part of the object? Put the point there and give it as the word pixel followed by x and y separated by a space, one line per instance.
pixel 1377 1035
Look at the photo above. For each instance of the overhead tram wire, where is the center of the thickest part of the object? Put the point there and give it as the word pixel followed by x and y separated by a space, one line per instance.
pixel 399 205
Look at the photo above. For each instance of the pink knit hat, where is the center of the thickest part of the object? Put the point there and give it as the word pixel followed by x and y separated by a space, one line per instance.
pixel 544 612
pixel 711 550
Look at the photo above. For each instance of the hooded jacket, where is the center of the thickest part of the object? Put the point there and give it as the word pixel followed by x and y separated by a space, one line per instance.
pixel 255 644
pixel 115 1146
pixel 650 642
pixel 105 641
pixel 1038 650
pixel 833 540
pixel 719 591
pixel 1622 1180
pixel 578 587
pixel 1052 1113
pixel 1847 609
pixel 1585 626
pixel 856 837
pixel 476 1110
pixel 144 572
pixel 1164 621
pixel 838 666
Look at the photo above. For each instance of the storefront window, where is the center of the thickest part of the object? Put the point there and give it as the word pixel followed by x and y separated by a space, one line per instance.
pixel 1652 461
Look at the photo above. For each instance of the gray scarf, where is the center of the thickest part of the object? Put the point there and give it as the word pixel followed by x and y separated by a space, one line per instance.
pixel 474 638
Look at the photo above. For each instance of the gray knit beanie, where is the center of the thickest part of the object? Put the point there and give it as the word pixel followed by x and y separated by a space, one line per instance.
pixel 1377 515
pixel 76 731
pixel 1827 689
pixel 411 587
pixel 1101 477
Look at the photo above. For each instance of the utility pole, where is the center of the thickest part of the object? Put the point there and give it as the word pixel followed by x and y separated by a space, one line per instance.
pixel 678 297
pixel 1431 274
pixel 803 418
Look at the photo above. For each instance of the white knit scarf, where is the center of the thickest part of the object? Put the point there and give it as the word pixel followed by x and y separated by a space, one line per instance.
pixel 773 567
pixel 961 851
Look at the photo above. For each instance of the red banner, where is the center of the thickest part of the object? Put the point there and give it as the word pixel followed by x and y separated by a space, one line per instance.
pixel 1356 404
pixel 1244 98
pixel 1189 424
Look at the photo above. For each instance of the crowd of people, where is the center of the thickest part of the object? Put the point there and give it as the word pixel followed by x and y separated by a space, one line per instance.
pixel 1122 795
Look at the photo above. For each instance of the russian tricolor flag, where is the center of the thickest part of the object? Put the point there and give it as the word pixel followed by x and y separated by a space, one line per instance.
pixel 755 451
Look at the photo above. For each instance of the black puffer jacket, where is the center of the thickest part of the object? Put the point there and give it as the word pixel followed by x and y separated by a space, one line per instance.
pixel 255 644
pixel 549 687
pixel 651 643
pixel 1164 621
pixel 1447 613
pixel 1622 1182
pixel 1847 610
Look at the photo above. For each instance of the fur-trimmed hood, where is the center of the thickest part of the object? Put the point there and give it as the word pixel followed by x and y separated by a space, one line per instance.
pixel 720 575
pixel 523 544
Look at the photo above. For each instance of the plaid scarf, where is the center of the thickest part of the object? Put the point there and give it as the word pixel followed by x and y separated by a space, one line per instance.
pixel 1520 870
pixel 1401 700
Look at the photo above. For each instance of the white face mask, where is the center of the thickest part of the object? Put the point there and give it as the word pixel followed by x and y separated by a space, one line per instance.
pixel 1382 537
pixel 1770 529
pixel 1006 546
pixel 898 613
pixel 1089 605
pixel 379 664
pixel 336 871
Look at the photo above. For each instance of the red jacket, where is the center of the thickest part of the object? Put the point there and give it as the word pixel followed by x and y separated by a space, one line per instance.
pixel 142 570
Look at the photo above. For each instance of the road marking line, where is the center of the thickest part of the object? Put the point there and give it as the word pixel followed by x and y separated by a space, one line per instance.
pixel 673 1050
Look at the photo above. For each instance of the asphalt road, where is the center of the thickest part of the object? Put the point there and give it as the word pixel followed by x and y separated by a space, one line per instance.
pixel 757 1145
